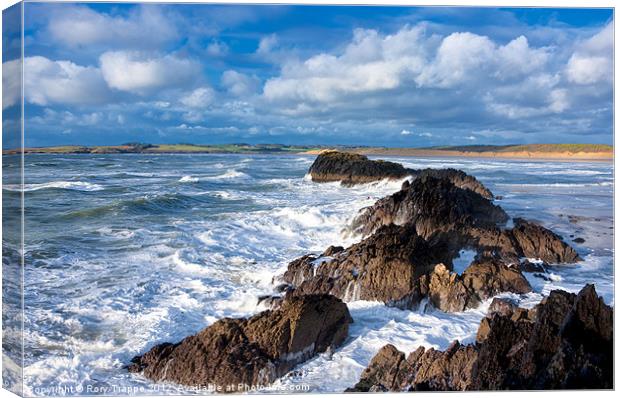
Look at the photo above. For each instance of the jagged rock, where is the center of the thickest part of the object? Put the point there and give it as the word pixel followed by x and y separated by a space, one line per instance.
pixel 383 267
pixel 351 168
pixel 460 179
pixel 536 241
pixel 565 342
pixel 253 351
pixel 483 279
pixel 433 205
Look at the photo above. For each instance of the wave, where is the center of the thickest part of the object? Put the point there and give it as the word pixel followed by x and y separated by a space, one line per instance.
pixel 230 174
pixel 71 185
pixel 188 179
pixel 147 204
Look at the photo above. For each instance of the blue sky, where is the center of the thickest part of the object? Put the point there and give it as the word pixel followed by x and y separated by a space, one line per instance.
pixel 392 76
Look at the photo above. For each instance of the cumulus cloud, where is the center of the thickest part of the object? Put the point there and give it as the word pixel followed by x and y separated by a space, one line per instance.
pixel 239 84
pixel 140 73
pixel 199 98
pixel 11 83
pixel 144 27
pixel 63 82
pixel 592 62
pixel 406 132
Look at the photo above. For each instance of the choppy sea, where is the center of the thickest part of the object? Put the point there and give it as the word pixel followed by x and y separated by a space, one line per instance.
pixel 126 251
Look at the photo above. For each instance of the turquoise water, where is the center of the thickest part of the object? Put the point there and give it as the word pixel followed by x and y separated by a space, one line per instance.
pixel 125 251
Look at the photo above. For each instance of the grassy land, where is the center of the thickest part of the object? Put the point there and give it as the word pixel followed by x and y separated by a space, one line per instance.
pixel 169 148
pixel 532 150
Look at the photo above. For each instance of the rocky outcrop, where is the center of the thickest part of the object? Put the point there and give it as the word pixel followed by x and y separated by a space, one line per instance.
pixel 536 241
pixel 398 267
pixel 433 205
pixel 565 342
pixel 351 168
pixel 232 353
pixel 459 178
pixel 383 267
pixel 441 210
pixel 483 279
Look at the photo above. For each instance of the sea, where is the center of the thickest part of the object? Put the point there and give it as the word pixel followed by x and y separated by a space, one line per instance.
pixel 125 251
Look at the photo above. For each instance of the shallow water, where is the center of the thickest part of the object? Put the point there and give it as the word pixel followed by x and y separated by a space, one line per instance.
pixel 126 251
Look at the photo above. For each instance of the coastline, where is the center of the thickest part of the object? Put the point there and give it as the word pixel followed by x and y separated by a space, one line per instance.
pixel 513 155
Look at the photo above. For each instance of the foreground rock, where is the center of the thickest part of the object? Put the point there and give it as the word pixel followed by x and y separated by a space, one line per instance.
pixel 565 342
pixel 398 267
pixel 233 353
pixel 384 267
pixel 351 168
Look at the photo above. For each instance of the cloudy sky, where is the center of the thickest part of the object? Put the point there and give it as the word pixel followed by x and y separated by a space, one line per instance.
pixel 393 76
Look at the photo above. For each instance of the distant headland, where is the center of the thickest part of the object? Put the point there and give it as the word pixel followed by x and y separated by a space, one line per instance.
pixel 529 151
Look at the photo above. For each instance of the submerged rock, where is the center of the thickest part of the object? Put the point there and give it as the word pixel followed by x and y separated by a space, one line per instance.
pixel 233 353
pixel 351 168
pixel 565 342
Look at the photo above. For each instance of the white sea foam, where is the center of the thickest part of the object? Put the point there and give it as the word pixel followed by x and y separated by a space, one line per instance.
pixel 73 185
pixel 188 179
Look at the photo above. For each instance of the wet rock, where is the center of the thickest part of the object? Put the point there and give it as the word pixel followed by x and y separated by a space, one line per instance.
pixel 252 351
pixel 483 279
pixel 434 206
pixel 460 179
pixel 565 342
pixel 536 241
pixel 351 168
pixel 383 267
pixel 579 240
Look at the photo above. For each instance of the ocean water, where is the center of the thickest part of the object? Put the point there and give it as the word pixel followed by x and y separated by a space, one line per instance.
pixel 127 251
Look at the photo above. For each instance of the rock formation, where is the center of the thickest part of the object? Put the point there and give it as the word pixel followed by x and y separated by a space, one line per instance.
pixel 233 353
pixel 565 342
pixel 351 168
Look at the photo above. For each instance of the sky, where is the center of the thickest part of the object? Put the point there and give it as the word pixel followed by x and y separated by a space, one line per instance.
pixel 104 74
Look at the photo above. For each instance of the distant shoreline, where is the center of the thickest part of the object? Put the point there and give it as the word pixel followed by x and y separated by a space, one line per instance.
pixel 517 155
pixel 549 152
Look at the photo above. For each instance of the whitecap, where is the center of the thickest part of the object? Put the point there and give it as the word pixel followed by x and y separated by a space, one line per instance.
pixel 188 179
pixel 72 185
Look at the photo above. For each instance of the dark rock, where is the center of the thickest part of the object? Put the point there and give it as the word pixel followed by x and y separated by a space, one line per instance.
pixel 460 179
pixel 565 342
pixel 383 267
pixel 270 301
pixel 483 279
pixel 536 241
pixel 253 351
pixel 351 168
pixel 579 240
pixel 530 266
pixel 433 205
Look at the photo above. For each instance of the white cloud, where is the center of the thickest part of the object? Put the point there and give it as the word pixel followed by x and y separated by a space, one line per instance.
pixel 458 56
pixel 199 98
pixel 11 83
pixel 63 82
pixel 371 62
pixel 239 84
pixel 217 49
pixel 145 27
pixel 406 132
pixel 592 62
pixel 140 73
pixel 267 44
